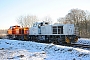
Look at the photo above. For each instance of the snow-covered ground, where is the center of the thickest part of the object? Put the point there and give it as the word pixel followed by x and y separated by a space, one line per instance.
pixel 83 41
pixel 26 50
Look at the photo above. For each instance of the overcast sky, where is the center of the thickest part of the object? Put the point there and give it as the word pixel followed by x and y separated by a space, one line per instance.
pixel 10 10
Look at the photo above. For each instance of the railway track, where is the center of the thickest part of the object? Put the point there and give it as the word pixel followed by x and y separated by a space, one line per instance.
pixel 82 46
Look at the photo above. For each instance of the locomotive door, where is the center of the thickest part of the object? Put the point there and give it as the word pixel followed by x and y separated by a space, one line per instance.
pixel 70 30
pixel 60 29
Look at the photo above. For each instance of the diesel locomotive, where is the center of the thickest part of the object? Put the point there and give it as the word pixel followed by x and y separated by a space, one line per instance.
pixel 44 32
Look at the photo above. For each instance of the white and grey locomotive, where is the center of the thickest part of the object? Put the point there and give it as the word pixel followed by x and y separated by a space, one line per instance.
pixel 56 33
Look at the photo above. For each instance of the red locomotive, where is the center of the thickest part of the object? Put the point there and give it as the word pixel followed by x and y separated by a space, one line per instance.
pixel 17 32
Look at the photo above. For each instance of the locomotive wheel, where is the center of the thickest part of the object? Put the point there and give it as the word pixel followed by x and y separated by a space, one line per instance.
pixel 55 41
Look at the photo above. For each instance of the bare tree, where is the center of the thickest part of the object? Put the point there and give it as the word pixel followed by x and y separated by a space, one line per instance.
pixel 3 33
pixel 61 20
pixel 76 16
pixel 47 19
pixel 80 19
pixel 20 20
pixel 27 20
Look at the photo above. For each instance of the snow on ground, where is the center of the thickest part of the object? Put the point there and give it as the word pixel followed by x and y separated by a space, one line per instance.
pixel 26 50
pixel 83 41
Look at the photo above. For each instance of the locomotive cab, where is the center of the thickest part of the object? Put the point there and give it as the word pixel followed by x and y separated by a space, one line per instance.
pixel 36 29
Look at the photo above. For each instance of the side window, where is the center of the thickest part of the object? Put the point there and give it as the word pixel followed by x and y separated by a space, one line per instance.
pixel 60 29
pixel 54 29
